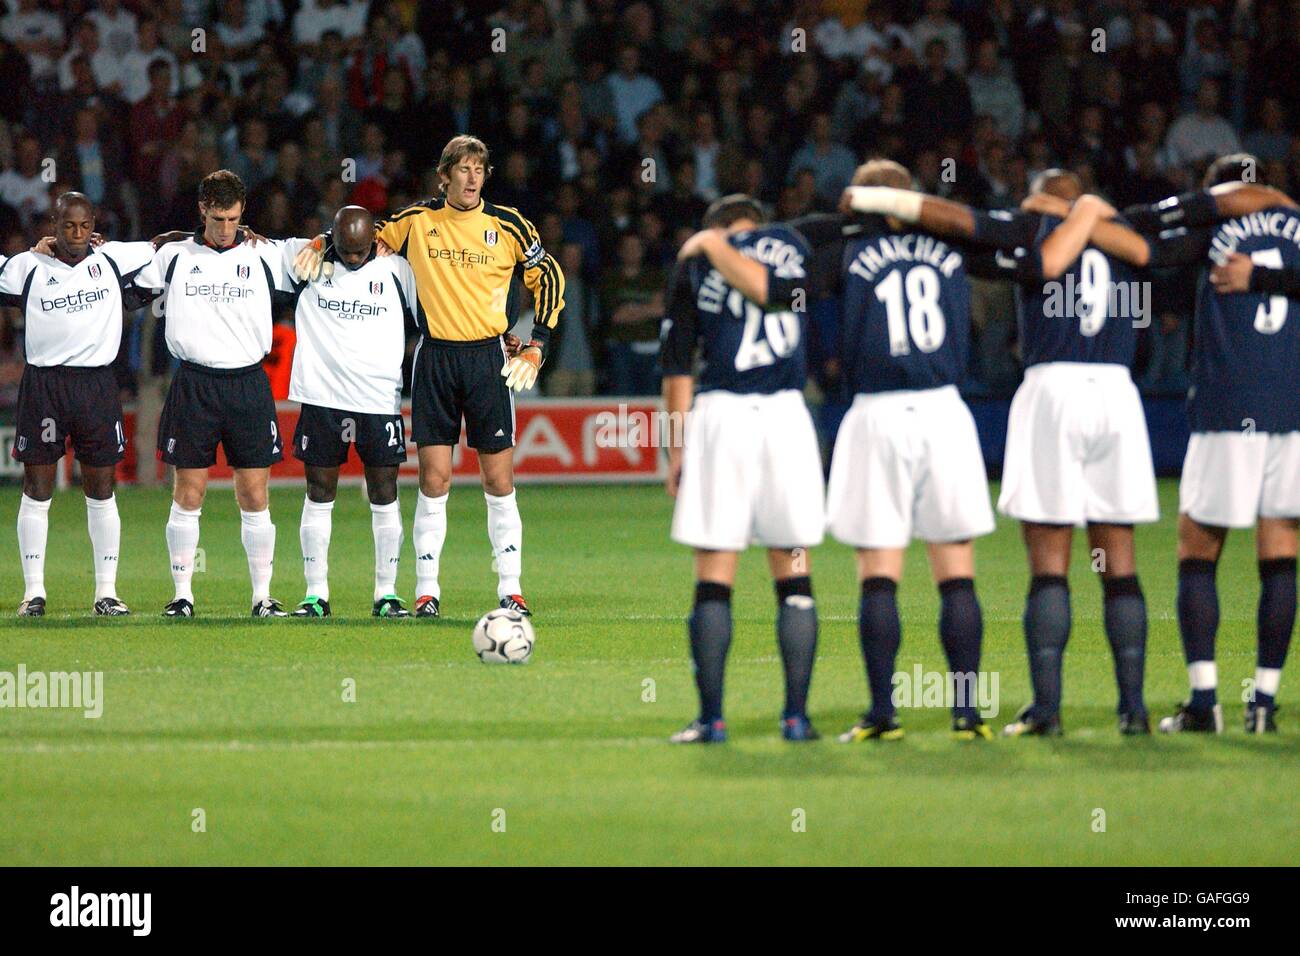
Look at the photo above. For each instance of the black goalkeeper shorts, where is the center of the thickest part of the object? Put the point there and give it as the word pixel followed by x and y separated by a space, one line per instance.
pixel 455 380
pixel 231 407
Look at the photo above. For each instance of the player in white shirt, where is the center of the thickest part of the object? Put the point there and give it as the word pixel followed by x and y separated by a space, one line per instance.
pixel 217 296
pixel 347 373
pixel 72 301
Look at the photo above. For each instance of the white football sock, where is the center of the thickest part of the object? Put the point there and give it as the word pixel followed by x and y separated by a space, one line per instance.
pixel 182 542
pixel 258 535
pixel 314 533
pixel 428 533
pixel 506 532
pixel 1268 680
pixel 33 532
pixel 1203 675
pixel 105 541
pixel 386 524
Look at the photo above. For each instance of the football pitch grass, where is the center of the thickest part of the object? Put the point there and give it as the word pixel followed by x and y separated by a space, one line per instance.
pixel 443 760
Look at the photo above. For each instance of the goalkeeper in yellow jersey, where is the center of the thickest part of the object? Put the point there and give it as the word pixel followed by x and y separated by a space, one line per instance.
pixel 464 251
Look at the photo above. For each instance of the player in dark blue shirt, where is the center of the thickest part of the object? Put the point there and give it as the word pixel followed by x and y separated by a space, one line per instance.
pixel 907 461
pixel 1242 467
pixel 1077 450
pixel 749 470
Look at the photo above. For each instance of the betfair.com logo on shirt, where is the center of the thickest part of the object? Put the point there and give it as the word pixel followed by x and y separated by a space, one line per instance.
pixel 345 309
pixel 76 302
pixel 217 293
pixel 461 258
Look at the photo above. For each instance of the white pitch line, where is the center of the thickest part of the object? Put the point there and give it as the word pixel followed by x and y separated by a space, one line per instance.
pixel 254 746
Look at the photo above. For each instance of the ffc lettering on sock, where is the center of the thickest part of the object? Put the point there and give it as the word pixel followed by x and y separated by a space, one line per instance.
pixel 314 535
pixel 33 535
pixel 182 541
pixel 258 536
pixel 105 527
pixel 386 528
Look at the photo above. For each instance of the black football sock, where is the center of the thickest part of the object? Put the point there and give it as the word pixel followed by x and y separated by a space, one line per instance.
pixel 880 632
pixel 1047 629
pixel 1198 620
pixel 1125 615
pixel 710 630
pixel 961 630
pixel 796 635
pixel 1276 620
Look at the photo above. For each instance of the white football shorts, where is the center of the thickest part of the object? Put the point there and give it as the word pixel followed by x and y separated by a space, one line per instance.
pixel 1230 479
pixel 1077 448
pixel 751 474
pixel 908 464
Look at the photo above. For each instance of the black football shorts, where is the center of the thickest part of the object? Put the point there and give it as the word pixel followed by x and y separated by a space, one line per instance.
pixel 324 434
pixel 65 401
pixel 231 407
pixel 455 380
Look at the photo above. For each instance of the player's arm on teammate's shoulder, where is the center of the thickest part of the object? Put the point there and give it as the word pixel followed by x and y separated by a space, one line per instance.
pixel 943 217
pixel 762 284
pixel 1090 219
pixel 129 259
pixel 13 275
pixel 678 337
pixel 1237 274
pixel 1065 243
pixel 45 245
pixel 1204 207
pixel 391 233
pixel 747 276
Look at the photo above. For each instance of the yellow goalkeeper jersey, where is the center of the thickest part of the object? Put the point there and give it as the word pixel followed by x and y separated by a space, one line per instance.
pixel 463 262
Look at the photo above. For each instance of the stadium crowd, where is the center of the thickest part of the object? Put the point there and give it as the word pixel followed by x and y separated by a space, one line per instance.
pixel 614 123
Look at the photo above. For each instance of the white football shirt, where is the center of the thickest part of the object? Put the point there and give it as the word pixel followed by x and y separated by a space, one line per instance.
pixel 217 301
pixel 351 329
pixel 73 312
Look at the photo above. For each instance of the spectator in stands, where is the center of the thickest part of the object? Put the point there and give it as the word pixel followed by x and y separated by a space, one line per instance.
pixel 104 66
pixel 135 65
pixel 253 161
pixel 571 371
pixel 117 26
pixel 993 91
pixel 935 23
pixel 632 91
pixel 831 163
pixel 25 187
pixel 937 99
pixel 38 35
pixel 1270 140
pixel 632 305
pixel 156 121
pixel 1202 133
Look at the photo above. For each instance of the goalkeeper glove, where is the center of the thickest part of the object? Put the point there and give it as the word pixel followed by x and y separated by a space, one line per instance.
pixel 309 264
pixel 521 371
